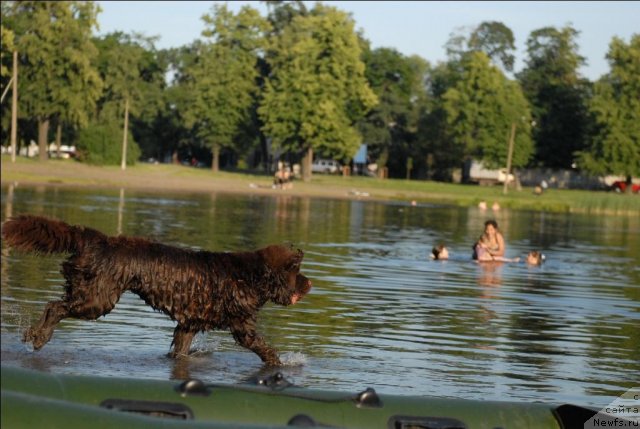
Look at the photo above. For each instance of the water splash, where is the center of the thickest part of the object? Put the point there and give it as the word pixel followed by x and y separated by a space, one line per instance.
pixel 203 344
pixel 293 359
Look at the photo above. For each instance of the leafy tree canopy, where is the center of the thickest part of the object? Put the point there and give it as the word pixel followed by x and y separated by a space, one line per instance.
pixel 398 83
pixel 480 109
pixel 557 94
pixel 496 40
pixel 615 107
pixel 130 70
pixel 317 89
pixel 491 37
pixel 7 51
pixel 221 79
pixel 57 76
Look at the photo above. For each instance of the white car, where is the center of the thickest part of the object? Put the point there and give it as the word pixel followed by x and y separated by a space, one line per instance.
pixel 328 166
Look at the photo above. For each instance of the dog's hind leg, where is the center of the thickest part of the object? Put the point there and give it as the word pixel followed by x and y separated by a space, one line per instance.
pixel 182 338
pixel 40 333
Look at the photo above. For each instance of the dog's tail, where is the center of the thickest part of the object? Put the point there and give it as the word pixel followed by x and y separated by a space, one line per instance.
pixel 42 235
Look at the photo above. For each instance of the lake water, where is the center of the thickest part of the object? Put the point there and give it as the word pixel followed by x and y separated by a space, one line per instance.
pixel 380 314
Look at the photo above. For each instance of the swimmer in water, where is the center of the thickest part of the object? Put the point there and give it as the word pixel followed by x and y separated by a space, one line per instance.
pixel 490 245
pixel 439 252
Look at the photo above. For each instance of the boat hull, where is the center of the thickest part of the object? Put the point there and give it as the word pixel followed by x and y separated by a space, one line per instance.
pixel 37 399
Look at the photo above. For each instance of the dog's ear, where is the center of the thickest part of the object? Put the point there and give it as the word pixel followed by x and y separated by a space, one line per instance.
pixel 295 260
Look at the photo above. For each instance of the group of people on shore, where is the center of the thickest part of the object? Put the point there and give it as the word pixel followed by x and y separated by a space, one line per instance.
pixel 490 247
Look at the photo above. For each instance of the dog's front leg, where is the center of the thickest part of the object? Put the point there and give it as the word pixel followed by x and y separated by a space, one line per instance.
pixel 253 341
pixel 182 337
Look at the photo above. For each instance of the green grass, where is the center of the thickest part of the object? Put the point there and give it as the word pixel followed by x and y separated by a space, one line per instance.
pixel 556 200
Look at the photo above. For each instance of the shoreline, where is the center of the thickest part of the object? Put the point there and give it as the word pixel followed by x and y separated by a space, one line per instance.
pixel 158 178
pixel 170 178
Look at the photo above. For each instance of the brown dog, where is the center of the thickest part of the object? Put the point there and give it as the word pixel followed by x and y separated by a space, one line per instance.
pixel 198 289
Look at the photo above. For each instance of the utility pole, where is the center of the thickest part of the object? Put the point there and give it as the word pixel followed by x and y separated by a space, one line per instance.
pixel 509 156
pixel 14 107
pixel 126 131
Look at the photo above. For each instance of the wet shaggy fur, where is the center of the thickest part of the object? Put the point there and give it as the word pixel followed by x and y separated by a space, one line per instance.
pixel 200 290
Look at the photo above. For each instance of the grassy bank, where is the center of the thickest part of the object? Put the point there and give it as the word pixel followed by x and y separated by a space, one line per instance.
pixel 165 177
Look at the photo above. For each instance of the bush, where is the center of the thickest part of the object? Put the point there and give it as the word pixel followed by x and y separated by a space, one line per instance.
pixel 101 144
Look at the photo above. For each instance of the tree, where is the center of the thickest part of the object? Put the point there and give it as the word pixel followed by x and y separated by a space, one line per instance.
pixel 496 40
pixel 480 109
pixel 281 13
pixel 221 82
pixel 96 145
pixel 390 126
pixel 557 94
pixel 58 79
pixel 317 89
pixel 134 83
pixel 491 37
pixel 157 126
pixel 615 108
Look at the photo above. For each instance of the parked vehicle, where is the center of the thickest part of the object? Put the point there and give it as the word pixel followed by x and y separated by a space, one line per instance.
pixel 327 166
pixel 620 186
pixel 477 173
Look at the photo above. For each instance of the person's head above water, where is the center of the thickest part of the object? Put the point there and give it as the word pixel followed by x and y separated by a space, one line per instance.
pixel 535 258
pixel 490 227
pixel 439 252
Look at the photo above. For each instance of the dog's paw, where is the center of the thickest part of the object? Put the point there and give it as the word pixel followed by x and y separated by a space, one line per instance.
pixel 28 336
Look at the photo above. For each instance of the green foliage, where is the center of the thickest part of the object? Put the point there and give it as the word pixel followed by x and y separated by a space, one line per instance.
pixel 557 95
pixel 219 77
pixel 390 127
pixel 130 70
pixel 7 52
pixel 317 89
pixel 615 106
pixel 480 108
pixel 491 37
pixel 303 79
pixel 390 76
pixel 101 144
pixel 6 69
pixel 281 13
pixel 496 40
pixel 57 75
pixel 133 72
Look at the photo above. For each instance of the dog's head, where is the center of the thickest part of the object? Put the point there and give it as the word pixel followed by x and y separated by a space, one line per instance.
pixel 284 262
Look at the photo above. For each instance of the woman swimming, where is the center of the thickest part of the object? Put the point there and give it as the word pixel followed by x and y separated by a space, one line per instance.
pixel 490 246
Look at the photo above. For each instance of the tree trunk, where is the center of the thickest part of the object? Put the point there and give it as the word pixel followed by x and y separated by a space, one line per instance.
pixel 264 153
pixel 58 138
pixel 43 136
pixel 382 163
pixel 629 188
pixel 306 165
pixel 215 161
